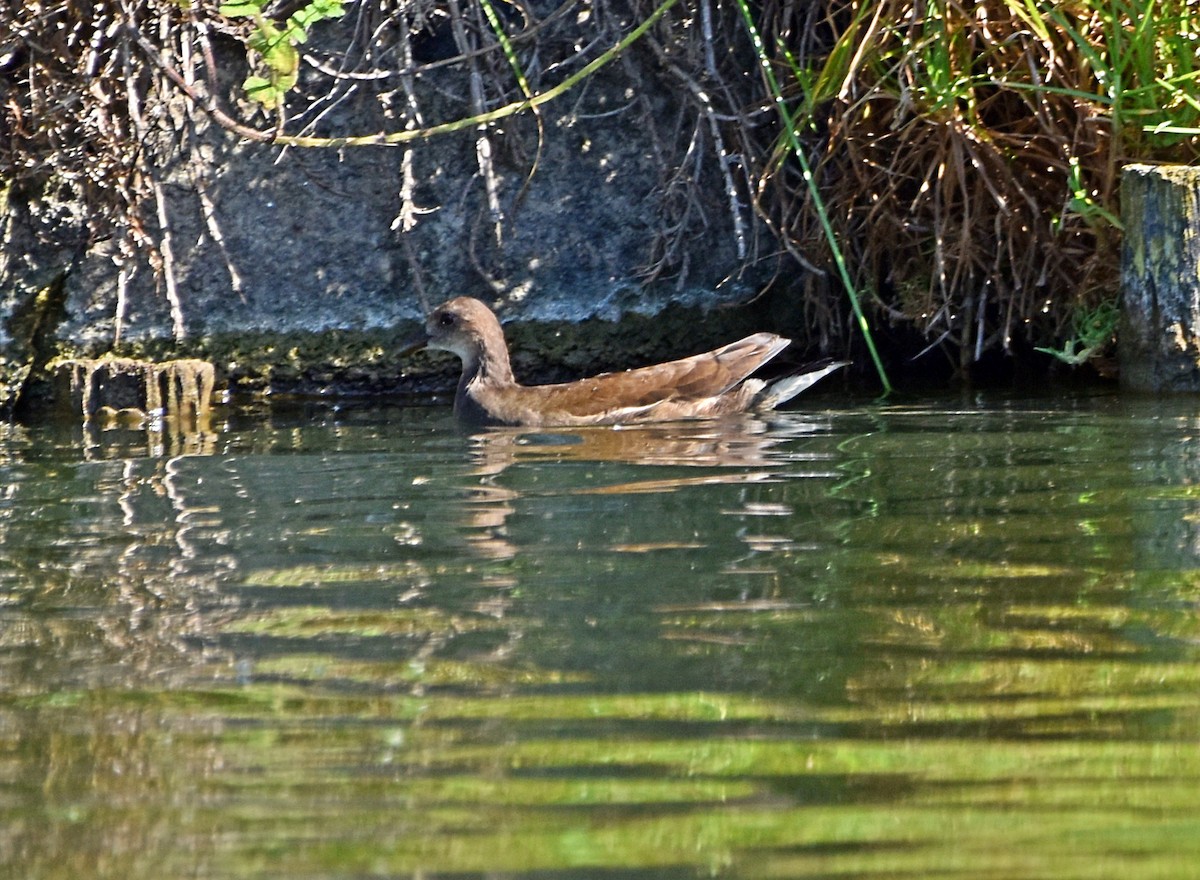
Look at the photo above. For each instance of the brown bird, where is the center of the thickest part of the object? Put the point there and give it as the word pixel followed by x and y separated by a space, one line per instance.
pixel 702 386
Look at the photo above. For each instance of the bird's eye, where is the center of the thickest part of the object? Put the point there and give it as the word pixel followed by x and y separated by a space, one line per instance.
pixel 445 319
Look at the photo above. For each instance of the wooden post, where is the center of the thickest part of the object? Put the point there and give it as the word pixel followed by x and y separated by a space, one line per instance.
pixel 1159 337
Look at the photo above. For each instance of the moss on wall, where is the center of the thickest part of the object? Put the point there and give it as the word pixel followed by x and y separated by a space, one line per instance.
pixel 368 362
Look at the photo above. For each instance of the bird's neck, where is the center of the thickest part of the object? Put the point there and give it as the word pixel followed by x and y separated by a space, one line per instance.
pixel 490 365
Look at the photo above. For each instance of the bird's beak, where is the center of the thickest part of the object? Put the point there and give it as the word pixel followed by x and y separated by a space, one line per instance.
pixel 414 343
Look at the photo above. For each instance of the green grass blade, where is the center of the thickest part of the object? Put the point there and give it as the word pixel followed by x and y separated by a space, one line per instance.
pixel 506 46
pixel 790 128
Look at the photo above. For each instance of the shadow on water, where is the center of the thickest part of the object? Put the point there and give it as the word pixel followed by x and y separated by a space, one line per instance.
pixel 930 639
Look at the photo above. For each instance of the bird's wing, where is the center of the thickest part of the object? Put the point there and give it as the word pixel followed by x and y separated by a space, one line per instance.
pixel 697 377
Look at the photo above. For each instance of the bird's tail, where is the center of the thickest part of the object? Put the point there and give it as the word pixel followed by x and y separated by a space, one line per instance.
pixel 783 390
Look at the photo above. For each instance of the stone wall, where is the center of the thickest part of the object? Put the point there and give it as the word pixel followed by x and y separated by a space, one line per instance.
pixel 311 284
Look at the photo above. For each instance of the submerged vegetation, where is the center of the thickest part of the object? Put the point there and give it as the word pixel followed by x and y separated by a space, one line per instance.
pixel 952 168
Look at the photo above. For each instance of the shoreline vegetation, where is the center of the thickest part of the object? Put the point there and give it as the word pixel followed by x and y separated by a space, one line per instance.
pixel 945 175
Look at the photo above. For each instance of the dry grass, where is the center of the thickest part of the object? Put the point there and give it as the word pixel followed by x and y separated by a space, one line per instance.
pixel 970 153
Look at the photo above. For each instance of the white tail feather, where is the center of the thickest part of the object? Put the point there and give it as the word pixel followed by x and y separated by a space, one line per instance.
pixel 783 390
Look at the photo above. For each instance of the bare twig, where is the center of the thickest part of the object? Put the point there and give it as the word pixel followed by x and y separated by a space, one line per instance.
pixel 163 248
pixel 483 144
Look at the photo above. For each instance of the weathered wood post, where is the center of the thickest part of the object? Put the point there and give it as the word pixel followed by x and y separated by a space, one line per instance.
pixel 1159 337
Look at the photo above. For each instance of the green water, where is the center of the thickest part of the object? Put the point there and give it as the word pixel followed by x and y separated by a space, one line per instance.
pixel 953 638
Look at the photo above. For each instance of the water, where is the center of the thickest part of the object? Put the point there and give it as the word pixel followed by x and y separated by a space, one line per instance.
pixel 952 638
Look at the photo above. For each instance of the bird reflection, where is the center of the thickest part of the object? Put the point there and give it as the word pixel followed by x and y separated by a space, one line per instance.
pixel 721 443
pixel 735 450
pixel 486 519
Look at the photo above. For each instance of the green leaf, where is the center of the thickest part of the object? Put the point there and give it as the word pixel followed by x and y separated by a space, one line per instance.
pixel 268 92
pixel 294 33
pixel 256 86
pixel 265 37
pixel 286 82
pixel 1069 355
pixel 242 8
pixel 316 11
pixel 276 45
pixel 282 58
